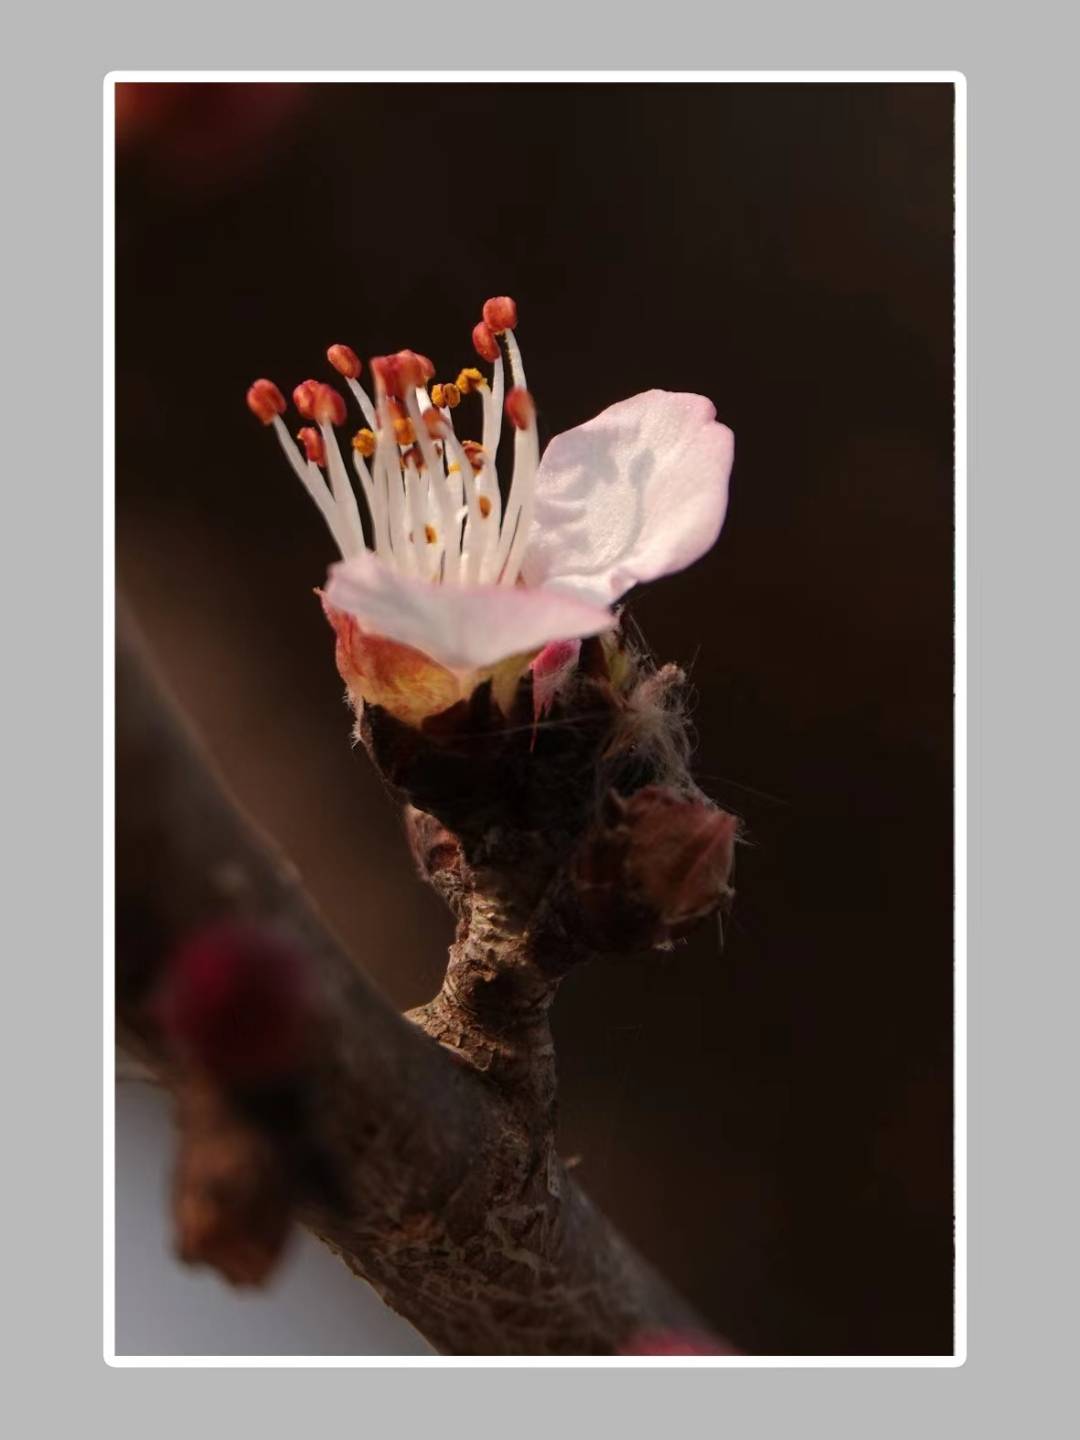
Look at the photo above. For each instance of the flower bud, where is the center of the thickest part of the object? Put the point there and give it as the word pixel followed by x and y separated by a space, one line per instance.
pixel 657 863
pixel 236 1001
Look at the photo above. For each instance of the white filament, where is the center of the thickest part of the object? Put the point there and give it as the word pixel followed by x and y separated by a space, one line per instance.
pixel 407 503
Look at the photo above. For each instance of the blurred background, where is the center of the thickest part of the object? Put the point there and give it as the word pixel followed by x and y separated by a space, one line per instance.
pixel 766 1113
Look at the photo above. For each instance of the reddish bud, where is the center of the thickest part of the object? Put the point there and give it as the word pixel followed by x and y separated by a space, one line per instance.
pixel 303 397
pixel 520 408
pixel 236 1000
pixel 386 371
pixel 484 342
pixel 500 313
pixel 265 400
pixel 658 864
pixel 681 854
pixel 327 406
pixel 345 361
pixel 312 442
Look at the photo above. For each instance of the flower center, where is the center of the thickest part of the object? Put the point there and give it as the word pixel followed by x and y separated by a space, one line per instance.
pixel 434 505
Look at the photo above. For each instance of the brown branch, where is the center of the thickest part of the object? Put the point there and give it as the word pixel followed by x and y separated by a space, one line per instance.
pixel 429 1167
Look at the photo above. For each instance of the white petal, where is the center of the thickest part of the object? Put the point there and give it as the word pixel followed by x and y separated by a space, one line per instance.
pixel 638 492
pixel 461 626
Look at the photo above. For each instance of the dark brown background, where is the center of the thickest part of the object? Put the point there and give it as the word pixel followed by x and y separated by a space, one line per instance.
pixel 769 1120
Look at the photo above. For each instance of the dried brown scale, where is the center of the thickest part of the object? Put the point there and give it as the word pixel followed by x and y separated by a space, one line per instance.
pixel 447 1194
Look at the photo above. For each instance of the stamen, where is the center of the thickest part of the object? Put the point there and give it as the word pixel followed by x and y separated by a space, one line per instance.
pixel 313 445
pixel 385 370
pixel 435 502
pixel 304 398
pixel 500 313
pixel 310 476
pixel 345 361
pixel 446 396
pixel 520 409
pixel 475 451
pixel 469 380
pixel 484 342
pixel 265 401
pixel 327 406
pixel 430 426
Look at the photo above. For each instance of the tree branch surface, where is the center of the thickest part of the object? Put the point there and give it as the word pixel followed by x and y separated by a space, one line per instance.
pixel 422 1148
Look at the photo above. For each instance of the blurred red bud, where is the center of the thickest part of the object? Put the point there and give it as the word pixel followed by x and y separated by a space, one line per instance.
pixel 236 999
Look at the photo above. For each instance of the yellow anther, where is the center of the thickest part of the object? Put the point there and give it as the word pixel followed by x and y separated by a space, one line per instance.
pixel 404 433
pixel 446 396
pixel 469 380
pixel 364 442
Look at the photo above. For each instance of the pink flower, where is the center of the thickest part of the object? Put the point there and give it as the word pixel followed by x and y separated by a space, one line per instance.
pixel 453 584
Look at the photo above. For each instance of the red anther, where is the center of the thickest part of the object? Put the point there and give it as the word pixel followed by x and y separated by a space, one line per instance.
pixel 413 456
pixel 520 409
pixel 313 445
pixel 303 397
pixel 484 342
pixel 500 313
pixel 434 424
pixel 345 361
pixel 327 406
pixel 265 400
pixel 414 371
pixel 385 368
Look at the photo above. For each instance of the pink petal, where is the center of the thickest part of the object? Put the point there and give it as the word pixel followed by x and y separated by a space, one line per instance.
pixel 638 492
pixel 460 626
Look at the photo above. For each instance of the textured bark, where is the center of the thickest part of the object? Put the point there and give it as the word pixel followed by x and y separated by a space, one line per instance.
pixel 421 1149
